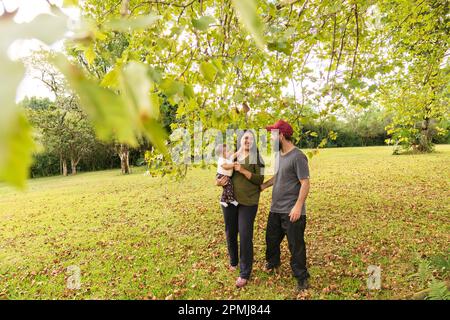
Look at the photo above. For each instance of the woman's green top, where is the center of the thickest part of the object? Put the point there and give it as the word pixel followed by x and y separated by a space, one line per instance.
pixel 247 191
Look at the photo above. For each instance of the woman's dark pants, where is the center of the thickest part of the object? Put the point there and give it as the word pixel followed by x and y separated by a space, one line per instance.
pixel 239 220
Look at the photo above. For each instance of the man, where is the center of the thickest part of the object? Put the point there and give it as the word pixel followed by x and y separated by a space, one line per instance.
pixel 288 210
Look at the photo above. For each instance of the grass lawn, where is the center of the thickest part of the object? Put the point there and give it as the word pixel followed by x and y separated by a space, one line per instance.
pixel 136 237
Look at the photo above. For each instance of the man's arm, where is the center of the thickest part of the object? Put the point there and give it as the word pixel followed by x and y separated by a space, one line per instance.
pixel 267 184
pixel 302 195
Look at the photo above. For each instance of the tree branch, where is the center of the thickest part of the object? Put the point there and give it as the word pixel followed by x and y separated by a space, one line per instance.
pixel 357 41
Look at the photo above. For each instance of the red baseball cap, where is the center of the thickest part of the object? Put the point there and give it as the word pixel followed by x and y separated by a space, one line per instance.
pixel 283 127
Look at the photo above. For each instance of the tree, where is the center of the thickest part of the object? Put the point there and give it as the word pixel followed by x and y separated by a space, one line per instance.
pixel 367 124
pixel 419 102
pixel 198 58
pixel 208 58
pixel 63 129
pixel 415 89
pixel 123 151
pixel 63 125
pixel 35 103
pixel 81 138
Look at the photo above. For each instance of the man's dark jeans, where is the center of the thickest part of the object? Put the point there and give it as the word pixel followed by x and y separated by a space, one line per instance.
pixel 278 226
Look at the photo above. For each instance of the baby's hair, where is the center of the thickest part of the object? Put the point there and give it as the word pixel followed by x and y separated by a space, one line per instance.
pixel 219 149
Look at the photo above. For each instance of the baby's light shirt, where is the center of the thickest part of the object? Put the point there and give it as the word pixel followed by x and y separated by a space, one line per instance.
pixel 221 170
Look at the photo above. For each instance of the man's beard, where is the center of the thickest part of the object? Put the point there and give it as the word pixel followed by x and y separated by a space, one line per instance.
pixel 274 147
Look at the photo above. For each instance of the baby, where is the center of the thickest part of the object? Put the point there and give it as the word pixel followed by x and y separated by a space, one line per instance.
pixel 225 166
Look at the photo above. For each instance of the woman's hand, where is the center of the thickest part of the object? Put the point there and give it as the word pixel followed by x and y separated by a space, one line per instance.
pixel 221 182
pixel 239 168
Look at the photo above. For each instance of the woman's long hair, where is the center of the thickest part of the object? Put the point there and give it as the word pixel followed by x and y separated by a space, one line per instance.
pixel 254 151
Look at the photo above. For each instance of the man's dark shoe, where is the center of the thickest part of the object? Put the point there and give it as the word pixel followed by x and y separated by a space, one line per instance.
pixel 271 268
pixel 302 285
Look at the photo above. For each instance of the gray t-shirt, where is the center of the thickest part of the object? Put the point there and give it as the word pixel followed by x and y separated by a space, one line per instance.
pixel 291 167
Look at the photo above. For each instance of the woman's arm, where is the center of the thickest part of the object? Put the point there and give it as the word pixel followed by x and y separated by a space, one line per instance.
pixel 237 153
pixel 221 182
pixel 255 178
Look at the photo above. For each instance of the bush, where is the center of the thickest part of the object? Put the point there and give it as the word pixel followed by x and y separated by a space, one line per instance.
pixel 45 164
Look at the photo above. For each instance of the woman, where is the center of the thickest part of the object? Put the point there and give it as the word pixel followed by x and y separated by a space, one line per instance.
pixel 247 179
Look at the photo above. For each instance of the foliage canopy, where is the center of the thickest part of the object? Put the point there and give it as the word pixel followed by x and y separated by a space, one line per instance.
pixel 235 63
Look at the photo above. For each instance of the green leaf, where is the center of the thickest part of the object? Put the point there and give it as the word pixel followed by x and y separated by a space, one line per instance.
pixel 10 77
pixel 134 23
pixel 323 143
pixel 332 135
pixel 248 16
pixel 14 161
pixel 189 91
pixel 208 71
pixel 203 23
pixel 45 27
pixel 108 112
pixel 355 83
pixel 163 43
pixel 126 116
pixel 281 46
pixel 155 75
pixel 136 86
pixel 373 88
pixel 176 30
pixel 155 103
pixel 68 3
pixel 172 87
pixel 111 79
pixel 16 143
pixel 438 291
pixel 16 148
pixel 90 54
pixel 218 65
pixel 156 134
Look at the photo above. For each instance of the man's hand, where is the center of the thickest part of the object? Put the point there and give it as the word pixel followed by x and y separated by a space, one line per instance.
pixel 222 181
pixel 297 209
pixel 295 213
pixel 266 184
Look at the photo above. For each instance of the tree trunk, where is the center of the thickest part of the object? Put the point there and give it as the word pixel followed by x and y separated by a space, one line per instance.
pixel 124 154
pixel 425 141
pixel 60 164
pixel 64 167
pixel 73 164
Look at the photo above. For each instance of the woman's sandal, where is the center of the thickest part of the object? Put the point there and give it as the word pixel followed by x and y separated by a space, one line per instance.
pixel 232 268
pixel 241 282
